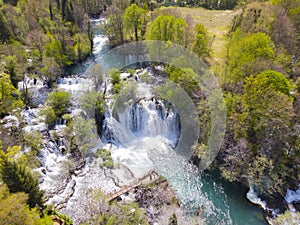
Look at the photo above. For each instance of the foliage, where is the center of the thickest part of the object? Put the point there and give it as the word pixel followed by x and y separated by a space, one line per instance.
pixel 201 47
pixel 10 69
pixel 115 76
pixel 9 96
pixel 249 55
pixel 287 218
pixel 50 70
pixel 135 20
pixel 260 142
pixel 13 209
pixel 50 117
pixel 19 179
pixel 59 102
pixel 260 94
pixel 96 74
pixel 184 78
pixel 106 157
pixel 212 4
pixel 115 80
pixel 85 135
pixel 126 214
pixel 167 28
pixel 33 141
pixel 115 26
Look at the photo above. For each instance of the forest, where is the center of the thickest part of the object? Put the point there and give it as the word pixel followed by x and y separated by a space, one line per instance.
pixel 256 60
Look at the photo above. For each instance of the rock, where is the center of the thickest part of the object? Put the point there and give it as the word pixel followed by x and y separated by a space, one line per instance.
pixel 62 149
pixel 37 95
pixel 44 171
pixel 278 203
pixel 10 122
pixel 57 220
pixel 297 206
pixel 100 117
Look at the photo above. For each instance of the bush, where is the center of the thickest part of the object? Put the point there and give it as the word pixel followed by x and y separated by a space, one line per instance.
pixel 50 117
pixel 59 102
pixel 115 76
pixel 9 96
pixel 106 157
pixel 68 118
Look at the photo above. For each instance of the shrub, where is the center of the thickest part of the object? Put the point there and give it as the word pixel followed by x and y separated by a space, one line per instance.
pixel 50 117
pixel 106 157
pixel 59 102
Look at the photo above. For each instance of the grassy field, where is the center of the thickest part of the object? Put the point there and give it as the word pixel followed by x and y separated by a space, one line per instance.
pixel 217 22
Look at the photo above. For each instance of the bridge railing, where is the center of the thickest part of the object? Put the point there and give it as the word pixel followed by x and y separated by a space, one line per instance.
pixel 134 184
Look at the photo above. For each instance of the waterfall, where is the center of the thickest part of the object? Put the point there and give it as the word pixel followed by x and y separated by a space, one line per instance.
pixel 146 134
pixel 149 117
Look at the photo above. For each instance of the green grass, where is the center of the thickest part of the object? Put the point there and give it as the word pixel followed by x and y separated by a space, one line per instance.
pixel 217 22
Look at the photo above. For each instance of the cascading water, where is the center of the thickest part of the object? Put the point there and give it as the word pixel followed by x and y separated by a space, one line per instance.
pixel 146 118
pixel 146 134
pixel 143 135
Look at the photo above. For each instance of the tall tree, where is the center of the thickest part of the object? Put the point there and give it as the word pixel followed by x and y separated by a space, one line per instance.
pixel 19 179
pixel 249 55
pixel 37 39
pixel 201 46
pixel 133 18
pixel 50 70
pixel 167 28
pixel 4 31
pixel 115 26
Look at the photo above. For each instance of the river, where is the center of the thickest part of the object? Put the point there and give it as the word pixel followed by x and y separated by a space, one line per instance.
pixel 222 202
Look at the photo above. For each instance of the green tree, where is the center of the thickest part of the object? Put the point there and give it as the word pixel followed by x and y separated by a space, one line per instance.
pixel 167 28
pixel 13 210
pixel 249 55
pixel 95 72
pixel 287 218
pixel 50 117
pixel 133 19
pixel 201 46
pixel 9 96
pixel 59 102
pixel 37 40
pixel 115 79
pixel 266 126
pixel 5 34
pixel 50 70
pixel 85 134
pixel 91 35
pixel 11 69
pixel 19 179
pixel 115 26
pixel 88 102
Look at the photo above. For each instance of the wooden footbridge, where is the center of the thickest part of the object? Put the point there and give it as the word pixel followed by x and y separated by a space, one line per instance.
pixel 148 178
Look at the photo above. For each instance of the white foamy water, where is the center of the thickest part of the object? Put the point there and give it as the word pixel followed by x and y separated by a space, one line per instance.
pixel 252 197
pixel 292 196
pixel 143 137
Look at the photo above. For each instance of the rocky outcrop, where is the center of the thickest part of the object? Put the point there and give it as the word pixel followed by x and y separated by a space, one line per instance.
pixel 153 199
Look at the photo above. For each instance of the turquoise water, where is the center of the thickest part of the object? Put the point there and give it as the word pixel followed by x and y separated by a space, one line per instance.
pixel 222 202
pixel 231 197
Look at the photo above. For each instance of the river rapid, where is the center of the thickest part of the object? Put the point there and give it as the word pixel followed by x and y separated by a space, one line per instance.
pixel 140 137
pixel 131 138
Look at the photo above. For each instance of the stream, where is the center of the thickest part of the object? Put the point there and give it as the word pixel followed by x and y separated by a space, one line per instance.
pixel 141 137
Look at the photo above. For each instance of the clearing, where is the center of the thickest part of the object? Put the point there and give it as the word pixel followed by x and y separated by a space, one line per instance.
pixel 217 22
